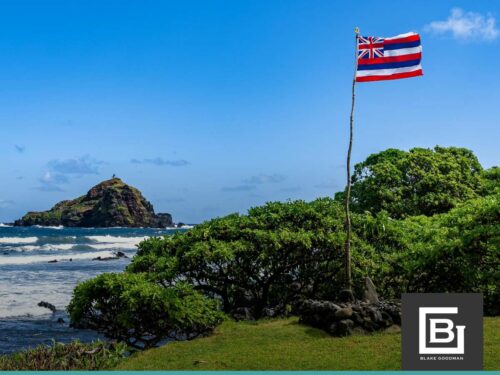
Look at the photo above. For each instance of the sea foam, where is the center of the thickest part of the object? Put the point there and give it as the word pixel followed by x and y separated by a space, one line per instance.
pixel 58 227
pixel 114 242
pixel 13 260
pixel 18 240
pixel 116 239
pixel 46 247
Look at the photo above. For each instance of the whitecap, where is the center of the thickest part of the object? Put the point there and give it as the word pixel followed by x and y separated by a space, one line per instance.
pixel 13 260
pixel 18 240
pixel 46 247
pixel 114 242
pixel 58 227
pixel 20 292
pixel 2 225
pixel 122 246
pixel 116 239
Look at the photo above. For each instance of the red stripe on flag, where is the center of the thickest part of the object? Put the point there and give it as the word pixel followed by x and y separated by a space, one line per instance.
pixel 382 60
pixel 368 45
pixel 407 39
pixel 415 73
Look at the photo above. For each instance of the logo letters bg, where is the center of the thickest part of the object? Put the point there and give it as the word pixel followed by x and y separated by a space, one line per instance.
pixel 422 334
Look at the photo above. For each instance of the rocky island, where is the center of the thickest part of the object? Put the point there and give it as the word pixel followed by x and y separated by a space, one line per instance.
pixel 112 203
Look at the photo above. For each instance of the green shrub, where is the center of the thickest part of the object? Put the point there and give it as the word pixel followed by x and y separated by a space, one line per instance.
pixel 129 308
pixel 270 258
pixel 491 180
pixel 454 252
pixel 73 356
pixel 418 182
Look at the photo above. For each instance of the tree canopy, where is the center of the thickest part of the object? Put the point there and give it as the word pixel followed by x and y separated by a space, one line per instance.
pixel 264 260
pixel 418 182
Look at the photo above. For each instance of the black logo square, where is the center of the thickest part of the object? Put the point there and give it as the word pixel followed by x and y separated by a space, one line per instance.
pixel 442 331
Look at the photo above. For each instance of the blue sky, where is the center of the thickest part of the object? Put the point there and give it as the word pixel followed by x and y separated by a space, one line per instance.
pixel 211 107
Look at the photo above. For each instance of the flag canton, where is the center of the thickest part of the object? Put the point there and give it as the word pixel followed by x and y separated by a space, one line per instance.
pixel 370 47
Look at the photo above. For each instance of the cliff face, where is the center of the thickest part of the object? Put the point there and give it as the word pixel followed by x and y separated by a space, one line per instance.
pixel 111 203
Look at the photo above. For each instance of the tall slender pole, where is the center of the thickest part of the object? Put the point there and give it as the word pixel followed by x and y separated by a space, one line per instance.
pixel 348 276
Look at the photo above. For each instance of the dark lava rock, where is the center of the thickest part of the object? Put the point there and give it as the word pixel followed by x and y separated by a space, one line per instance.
pixel 112 203
pixel 347 318
pixel 103 259
pixel 47 305
pixel 344 328
pixel 61 321
pixel 242 313
pixel 164 220
pixel 52 261
pixel 346 295
pixel 116 255
pixel 268 312
pixel 345 312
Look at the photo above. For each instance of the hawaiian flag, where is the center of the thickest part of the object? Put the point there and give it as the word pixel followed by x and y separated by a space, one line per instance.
pixel 380 59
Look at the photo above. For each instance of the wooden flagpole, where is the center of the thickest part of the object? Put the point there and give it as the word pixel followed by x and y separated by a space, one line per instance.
pixel 348 276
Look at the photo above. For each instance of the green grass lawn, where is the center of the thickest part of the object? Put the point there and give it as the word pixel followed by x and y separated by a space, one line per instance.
pixel 286 345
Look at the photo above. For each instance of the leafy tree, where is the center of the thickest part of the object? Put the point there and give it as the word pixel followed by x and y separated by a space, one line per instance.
pixel 269 258
pixel 491 180
pixel 129 308
pixel 458 251
pixel 418 182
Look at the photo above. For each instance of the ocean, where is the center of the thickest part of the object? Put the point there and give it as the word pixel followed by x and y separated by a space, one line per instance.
pixel 29 275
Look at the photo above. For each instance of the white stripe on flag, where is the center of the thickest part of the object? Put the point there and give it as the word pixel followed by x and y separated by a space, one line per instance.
pixel 401 35
pixel 387 72
pixel 402 51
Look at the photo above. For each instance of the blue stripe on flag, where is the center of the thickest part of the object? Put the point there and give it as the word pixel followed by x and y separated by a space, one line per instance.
pixel 401 45
pixel 399 64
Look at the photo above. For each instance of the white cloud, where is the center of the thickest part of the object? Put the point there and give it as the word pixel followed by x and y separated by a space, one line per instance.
pixel 466 26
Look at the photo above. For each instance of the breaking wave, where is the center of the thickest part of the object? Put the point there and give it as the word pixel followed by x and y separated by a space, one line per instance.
pixel 18 240
pixel 13 260
pixel 116 239
pixel 114 242
pixel 46 247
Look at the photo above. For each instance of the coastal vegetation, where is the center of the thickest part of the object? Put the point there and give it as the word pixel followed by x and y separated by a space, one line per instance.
pixel 65 357
pixel 426 221
pixel 420 181
pixel 129 308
